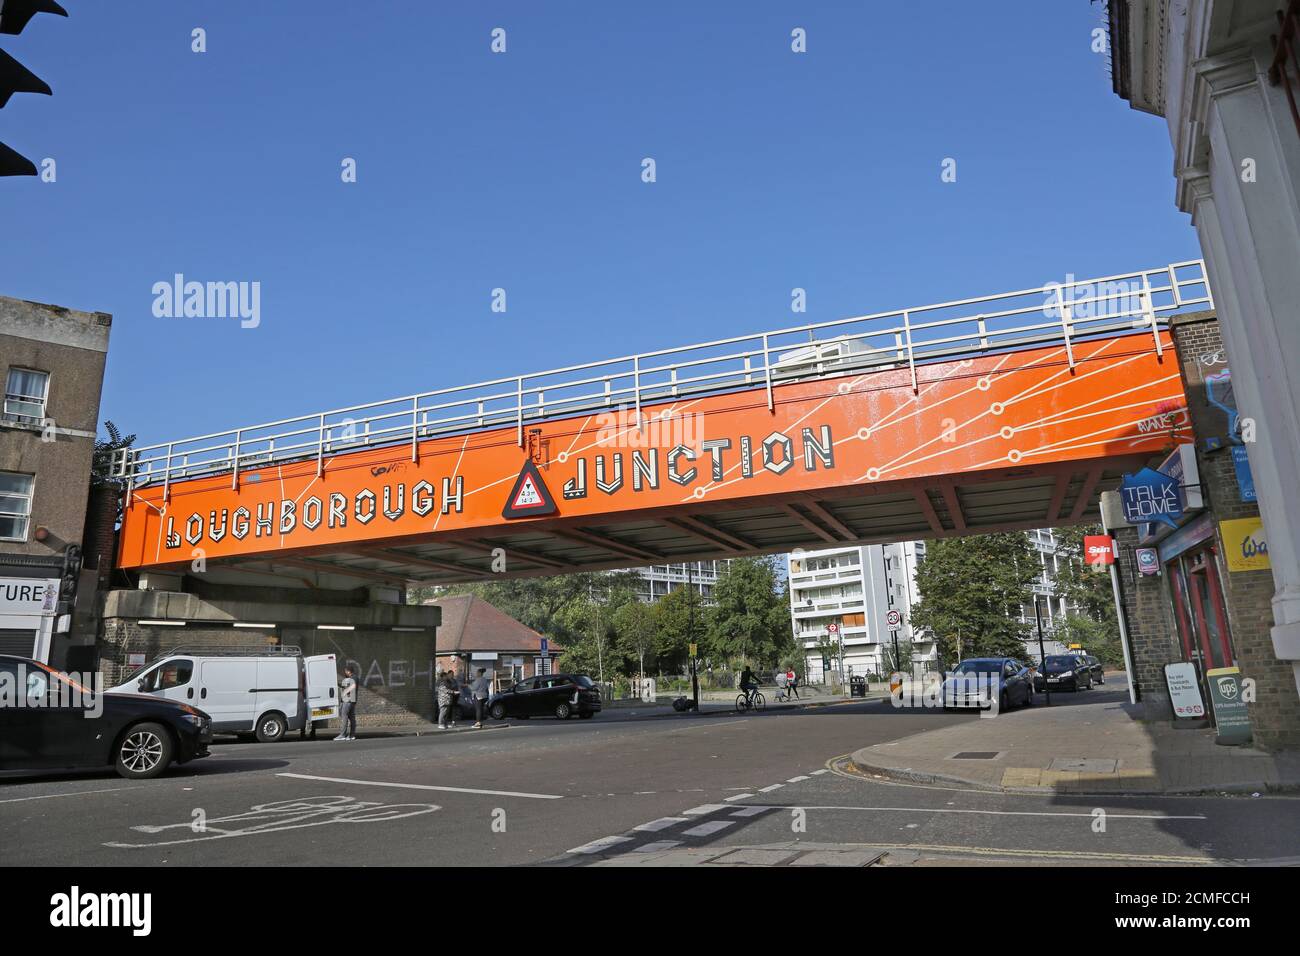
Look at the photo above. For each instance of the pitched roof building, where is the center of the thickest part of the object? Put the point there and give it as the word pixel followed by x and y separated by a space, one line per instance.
pixel 476 634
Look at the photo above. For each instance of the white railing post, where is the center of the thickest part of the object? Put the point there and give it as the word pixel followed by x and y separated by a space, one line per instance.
pixel 767 371
pixel 911 359
pixel 519 399
pixel 167 475
pixel 1064 312
pixel 984 332
pixel 636 388
pixel 320 447
pixel 234 472
pixel 415 429
pixel 1149 313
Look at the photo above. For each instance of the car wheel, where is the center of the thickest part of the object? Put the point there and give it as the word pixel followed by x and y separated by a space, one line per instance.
pixel 563 711
pixel 1004 701
pixel 144 751
pixel 270 728
pixel 498 711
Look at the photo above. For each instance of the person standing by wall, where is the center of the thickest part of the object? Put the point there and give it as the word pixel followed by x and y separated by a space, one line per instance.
pixel 444 691
pixel 480 691
pixel 792 683
pixel 348 706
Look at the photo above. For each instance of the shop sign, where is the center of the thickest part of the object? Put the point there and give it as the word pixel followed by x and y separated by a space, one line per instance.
pixel 1245 546
pixel 1231 720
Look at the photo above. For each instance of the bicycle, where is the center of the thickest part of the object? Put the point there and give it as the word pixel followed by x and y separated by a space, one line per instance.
pixel 752 700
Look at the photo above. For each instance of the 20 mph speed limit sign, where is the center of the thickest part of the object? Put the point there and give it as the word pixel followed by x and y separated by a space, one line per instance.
pixel 893 620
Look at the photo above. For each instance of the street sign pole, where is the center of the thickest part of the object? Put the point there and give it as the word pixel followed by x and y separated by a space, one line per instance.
pixel 1042 651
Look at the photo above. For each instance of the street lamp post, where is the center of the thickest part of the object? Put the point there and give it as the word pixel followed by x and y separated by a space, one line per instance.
pixel 1042 651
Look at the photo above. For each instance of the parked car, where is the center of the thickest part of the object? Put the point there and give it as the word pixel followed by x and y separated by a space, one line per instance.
pixel 250 694
pixel 51 727
pixel 1064 672
pixel 560 695
pixel 1097 667
pixel 978 681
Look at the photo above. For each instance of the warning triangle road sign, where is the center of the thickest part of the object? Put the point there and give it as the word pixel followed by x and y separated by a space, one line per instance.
pixel 530 497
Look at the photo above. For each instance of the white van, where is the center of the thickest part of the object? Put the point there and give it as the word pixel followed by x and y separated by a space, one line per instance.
pixel 248 692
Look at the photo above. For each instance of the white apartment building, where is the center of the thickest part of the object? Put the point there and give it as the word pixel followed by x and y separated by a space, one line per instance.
pixel 857 586
pixel 659 579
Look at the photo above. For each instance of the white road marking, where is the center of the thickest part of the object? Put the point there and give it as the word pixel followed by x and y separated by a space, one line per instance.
pixel 775 786
pixel 797 779
pixel 737 796
pixel 999 813
pixel 424 786
pixel 663 823
pixel 51 796
pixel 816 772
pixel 707 808
pixel 708 829
pixel 656 846
pixel 604 843
pixel 749 811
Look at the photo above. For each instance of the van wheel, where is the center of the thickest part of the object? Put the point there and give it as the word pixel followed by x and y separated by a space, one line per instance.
pixel 498 711
pixel 144 751
pixel 270 728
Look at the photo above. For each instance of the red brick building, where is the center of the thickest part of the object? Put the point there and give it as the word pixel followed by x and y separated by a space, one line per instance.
pixel 475 634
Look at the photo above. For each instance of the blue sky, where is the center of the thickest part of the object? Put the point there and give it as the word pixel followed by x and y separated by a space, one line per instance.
pixel 523 171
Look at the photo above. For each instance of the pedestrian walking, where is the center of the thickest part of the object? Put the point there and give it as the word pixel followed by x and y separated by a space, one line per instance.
pixel 446 695
pixel 792 683
pixel 480 691
pixel 782 684
pixel 348 706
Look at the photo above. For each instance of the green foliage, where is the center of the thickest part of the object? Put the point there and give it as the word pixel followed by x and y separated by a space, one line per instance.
pixel 1098 638
pixel 973 587
pixel 678 619
pixel 750 619
pixel 1085 586
pixel 101 462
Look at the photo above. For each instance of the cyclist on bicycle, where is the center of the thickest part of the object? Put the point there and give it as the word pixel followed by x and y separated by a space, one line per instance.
pixel 748 682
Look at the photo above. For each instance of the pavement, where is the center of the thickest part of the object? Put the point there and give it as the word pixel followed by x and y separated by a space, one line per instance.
pixel 1086 742
pixel 777 788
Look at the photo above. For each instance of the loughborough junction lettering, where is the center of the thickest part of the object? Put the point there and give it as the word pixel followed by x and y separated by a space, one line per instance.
pixel 622 474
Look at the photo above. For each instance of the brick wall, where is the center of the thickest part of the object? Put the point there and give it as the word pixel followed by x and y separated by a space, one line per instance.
pixel 1275 715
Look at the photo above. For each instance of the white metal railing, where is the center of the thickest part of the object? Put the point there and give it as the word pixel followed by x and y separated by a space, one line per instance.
pixel 1059 313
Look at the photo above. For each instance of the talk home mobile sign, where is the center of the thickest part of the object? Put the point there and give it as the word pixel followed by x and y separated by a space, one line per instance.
pixel 995 412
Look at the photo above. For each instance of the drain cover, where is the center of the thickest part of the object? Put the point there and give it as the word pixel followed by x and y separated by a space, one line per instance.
pixel 975 755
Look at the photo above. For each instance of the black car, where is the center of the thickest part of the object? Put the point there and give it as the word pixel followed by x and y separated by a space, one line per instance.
pixel 1064 672
pixel 48 721
pixel 559 695
pixel 1097 667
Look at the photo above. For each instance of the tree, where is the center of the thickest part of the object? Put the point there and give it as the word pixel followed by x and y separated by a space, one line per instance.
pixel 635 634
pixel 974 587
pixel 1086 586
pixel 750 618
pixel 678 621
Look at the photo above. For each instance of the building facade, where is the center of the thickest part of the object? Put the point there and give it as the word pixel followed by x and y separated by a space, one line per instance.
pixel 52 360
pixel 1204 593
pixel 856 588
pixel 1215 71
pixel 658 580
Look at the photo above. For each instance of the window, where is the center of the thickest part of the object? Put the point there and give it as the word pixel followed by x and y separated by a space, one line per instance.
pixel 15 506
pixel 25 393
pixel 172 674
